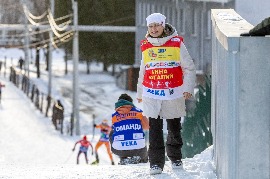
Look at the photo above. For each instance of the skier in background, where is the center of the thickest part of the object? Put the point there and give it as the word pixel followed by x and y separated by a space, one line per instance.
pixel 1 85
pixel 105 129
pixel 21 63
pixel 83 148
pixel 58 115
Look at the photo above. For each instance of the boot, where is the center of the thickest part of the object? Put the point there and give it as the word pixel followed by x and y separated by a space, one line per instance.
pixel 97 158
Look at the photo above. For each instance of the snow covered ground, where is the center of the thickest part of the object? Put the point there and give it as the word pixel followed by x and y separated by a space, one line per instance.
pixel 30 147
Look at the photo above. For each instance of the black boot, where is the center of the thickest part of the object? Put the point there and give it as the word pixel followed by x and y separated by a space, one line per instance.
pixel 97 158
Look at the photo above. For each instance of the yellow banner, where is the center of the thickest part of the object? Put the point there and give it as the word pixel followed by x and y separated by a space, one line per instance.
pixel 161 54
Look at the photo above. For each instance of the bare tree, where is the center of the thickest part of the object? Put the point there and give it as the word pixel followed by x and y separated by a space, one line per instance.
pixel 39 8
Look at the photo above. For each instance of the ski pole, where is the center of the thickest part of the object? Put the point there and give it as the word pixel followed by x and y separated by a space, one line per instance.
pixel 69 157
pixel 93 128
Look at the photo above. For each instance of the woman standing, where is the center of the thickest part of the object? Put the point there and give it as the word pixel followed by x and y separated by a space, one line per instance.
pixel 166 79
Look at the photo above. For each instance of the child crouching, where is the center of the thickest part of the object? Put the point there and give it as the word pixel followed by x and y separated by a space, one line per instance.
pixel 127 136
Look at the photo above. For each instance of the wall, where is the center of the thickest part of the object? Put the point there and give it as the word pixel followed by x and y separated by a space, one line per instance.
pixel 240 98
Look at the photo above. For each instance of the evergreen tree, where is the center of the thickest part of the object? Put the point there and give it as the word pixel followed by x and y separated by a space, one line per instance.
pixel 107 47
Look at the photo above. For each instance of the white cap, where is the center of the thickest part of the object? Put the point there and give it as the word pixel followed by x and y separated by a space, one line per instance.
pixel 156 18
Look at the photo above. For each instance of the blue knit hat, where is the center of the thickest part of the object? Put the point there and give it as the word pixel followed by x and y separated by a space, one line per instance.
pixel 123 102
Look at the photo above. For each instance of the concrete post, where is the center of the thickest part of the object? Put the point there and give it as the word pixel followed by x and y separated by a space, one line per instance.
pixel 75 68
pixel 50 54
pixel 240 98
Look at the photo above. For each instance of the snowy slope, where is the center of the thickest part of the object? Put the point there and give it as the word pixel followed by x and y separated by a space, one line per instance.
pixel 30 147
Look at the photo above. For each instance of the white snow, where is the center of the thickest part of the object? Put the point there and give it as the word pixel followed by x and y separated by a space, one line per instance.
pixel 30 147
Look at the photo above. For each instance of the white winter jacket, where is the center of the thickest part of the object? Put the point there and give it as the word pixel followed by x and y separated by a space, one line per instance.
pixel 168 108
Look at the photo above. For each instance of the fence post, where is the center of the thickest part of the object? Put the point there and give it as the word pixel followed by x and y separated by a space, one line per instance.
pixel 71 124
pixel 48 105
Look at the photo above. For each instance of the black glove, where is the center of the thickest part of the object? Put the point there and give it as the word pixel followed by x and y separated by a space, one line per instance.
pixel 95 125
